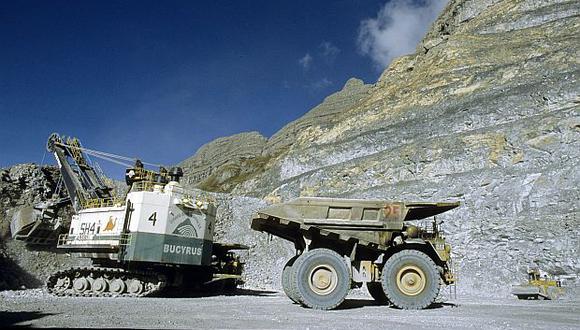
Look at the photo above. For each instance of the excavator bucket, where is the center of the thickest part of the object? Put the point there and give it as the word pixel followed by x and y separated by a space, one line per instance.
pixel 33 227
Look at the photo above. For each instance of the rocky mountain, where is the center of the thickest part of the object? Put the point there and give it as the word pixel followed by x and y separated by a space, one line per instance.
pixel 224 163
pixel 486 112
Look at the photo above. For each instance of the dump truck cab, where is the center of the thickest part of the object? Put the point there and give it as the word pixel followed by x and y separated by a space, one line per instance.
pixel 343 243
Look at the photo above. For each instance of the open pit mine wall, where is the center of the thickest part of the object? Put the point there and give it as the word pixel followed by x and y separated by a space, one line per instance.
pixel 486 112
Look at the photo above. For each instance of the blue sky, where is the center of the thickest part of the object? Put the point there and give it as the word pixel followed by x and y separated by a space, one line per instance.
pixel 158 79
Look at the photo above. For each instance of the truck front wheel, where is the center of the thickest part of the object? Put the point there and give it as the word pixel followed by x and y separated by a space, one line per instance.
pixel 322 279
pixel 410 280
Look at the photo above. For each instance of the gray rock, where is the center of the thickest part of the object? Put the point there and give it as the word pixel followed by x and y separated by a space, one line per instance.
pixel 216 163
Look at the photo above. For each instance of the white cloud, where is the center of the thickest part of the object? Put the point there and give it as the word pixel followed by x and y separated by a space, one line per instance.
pixel 306 61
pixel 328 51
pixel 397 29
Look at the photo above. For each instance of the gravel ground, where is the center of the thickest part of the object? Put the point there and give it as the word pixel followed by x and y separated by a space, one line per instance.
pixel 263 309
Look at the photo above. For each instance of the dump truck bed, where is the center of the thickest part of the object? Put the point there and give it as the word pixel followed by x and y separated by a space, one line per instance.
pixel 366 221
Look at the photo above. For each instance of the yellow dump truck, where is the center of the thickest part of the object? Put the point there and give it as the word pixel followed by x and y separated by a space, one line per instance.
pixel 344 243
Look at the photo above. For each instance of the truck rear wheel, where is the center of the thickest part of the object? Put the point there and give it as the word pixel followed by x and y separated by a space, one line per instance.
pixel 321 279
pixel 410 280
pixel 286 283
pixel 376 291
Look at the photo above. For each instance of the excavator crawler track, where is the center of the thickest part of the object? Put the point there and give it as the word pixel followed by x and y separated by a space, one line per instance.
pixel 104 282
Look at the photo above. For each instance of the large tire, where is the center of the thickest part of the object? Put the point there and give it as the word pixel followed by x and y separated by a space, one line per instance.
pixel 410 280
pixel 286 284
pixel 376 291
pixel 321 279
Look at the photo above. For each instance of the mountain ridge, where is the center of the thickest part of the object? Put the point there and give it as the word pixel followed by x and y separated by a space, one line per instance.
pixel 485 112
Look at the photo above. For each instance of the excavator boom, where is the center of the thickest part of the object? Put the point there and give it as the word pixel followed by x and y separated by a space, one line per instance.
pixel 39 224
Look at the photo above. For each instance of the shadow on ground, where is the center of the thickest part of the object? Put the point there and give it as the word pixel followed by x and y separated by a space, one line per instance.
pixel 360 303
pixel 213 293
pixel 14 277
pixel 11 319
pixel 442 304
pixel 357 303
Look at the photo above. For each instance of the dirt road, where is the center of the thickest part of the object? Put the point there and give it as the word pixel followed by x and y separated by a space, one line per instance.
pixel 262 309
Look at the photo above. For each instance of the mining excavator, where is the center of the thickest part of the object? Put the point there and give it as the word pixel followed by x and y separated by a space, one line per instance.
pixel 157 236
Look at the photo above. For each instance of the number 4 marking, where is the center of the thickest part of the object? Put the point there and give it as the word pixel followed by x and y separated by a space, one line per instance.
pixel 153 218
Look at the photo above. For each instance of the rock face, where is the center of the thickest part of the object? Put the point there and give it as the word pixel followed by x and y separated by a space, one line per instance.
pixel 267 255
pixel 322 116
pixel 486 112
pixel 225 162
pixel 22 185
